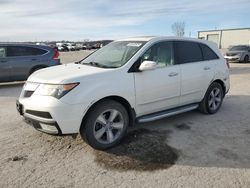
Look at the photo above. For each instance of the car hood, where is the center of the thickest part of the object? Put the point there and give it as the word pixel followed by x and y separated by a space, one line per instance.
pixel 64 73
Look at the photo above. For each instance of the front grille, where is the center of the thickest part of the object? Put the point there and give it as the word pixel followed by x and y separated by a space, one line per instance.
pixel 27 93
pixel 39 114
pixel 231 54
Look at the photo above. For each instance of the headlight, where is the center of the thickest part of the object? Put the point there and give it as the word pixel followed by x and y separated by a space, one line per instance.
pixel 54 90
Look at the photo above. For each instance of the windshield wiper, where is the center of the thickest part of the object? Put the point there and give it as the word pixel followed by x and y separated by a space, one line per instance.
pixel 96 64
pixel 77 62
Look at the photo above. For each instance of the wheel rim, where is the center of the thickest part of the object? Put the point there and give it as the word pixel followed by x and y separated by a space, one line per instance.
pixel 108 126
pixel 215 98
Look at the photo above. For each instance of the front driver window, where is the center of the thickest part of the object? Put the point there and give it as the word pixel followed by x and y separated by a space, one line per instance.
pixel 161 53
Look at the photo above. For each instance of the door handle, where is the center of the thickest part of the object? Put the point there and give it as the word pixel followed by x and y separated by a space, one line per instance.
pixel 173 74
pixel 207 68
pixel 3 61
pixel 33 59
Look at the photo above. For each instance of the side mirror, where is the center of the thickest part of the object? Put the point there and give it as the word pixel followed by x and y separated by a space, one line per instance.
pixel 147 65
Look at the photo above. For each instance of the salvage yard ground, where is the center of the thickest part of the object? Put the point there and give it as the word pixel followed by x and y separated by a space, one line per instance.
pixel 188 150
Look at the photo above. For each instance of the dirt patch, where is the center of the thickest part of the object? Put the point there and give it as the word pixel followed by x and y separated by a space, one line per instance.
pixel 227 154
pixel 182 126
pixel 18 158
pixel 142 150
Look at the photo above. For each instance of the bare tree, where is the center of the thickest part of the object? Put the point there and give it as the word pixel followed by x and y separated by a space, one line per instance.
pixel 178 29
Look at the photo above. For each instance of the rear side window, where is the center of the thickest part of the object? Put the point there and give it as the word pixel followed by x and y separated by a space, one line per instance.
pixel 188 52
pixel 2 52
pixel 208 53
pixel 13 51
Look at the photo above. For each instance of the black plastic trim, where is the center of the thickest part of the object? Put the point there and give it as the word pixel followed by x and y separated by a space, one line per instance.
pixel 165 111
pixel 36 125
pixel 39 114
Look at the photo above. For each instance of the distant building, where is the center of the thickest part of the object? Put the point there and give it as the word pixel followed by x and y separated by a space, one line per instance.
pixel 225 38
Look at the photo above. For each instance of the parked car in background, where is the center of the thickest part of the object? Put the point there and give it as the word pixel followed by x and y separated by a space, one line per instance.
pixel 239 53
pixel 84 47
pixel 132 80
pixel 19 61
pixel 71 47
pixel 78 47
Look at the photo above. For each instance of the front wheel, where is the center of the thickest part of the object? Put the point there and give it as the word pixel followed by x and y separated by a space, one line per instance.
pixel 105 125
pixel 246 59
pixel 212 101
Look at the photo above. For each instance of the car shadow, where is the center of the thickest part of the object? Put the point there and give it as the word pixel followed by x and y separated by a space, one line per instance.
pixel 192 139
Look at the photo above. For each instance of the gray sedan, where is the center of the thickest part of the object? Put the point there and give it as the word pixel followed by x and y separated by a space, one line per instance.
pixel 240 53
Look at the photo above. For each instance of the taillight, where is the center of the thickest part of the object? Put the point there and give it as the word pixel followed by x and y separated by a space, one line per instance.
pixel 56 54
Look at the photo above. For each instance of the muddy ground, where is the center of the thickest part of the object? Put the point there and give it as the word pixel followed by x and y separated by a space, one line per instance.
pixel 188 150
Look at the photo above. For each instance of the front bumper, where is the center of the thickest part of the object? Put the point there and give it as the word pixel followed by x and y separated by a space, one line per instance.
pixel 39 121
pixel 50 115
pixel 232 58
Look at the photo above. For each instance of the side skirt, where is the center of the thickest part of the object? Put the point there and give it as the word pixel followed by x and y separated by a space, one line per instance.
pixel 166 113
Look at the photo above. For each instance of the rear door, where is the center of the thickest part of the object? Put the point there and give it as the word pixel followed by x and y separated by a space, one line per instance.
pixel 4 66
pixel 196 74
pixel 22 59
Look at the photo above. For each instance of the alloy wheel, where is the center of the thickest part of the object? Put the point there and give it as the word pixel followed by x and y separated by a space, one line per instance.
pixel 108 126
pixel 215 99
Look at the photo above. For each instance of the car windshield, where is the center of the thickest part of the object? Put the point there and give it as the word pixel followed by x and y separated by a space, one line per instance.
pixel 239 48
pixel 113 55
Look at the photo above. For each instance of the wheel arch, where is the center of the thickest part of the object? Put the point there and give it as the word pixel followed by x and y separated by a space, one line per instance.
pixel 121 100
pixel 222 85
pixel 36 67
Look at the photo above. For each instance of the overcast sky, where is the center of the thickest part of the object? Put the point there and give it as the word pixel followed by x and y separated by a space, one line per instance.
pixel 34 20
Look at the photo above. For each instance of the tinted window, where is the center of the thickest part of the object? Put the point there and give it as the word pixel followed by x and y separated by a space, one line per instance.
pixel 23 51
pixel 208 54
pixel 2 52
pixel 161 53
pixel 239 48
pixel 187 52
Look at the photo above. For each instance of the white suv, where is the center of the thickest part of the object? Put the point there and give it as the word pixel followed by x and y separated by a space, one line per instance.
pixel 127 81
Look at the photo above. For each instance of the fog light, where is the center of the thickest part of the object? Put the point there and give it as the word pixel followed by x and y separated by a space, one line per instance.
pixel 49 128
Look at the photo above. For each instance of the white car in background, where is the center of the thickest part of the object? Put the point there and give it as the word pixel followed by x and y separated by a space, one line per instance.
pixel 127 81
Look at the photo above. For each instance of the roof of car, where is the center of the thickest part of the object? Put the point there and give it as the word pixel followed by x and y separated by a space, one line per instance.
pixel 156 38
pixel 25 44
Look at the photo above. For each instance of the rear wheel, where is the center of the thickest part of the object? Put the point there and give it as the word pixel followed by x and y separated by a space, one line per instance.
pixel 213 99
pixel 106 125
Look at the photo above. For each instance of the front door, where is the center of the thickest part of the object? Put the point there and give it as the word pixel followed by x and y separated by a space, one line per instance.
pixel 158 89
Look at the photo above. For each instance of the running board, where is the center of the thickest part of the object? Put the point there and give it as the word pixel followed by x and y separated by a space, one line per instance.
pixel 166 113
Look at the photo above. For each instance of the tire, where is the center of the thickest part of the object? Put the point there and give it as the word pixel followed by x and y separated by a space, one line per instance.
pixel 213 99
pixel 246 59
pixel 106 124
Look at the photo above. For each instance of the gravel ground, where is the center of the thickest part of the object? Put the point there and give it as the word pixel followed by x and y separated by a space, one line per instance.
pixel 188 150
